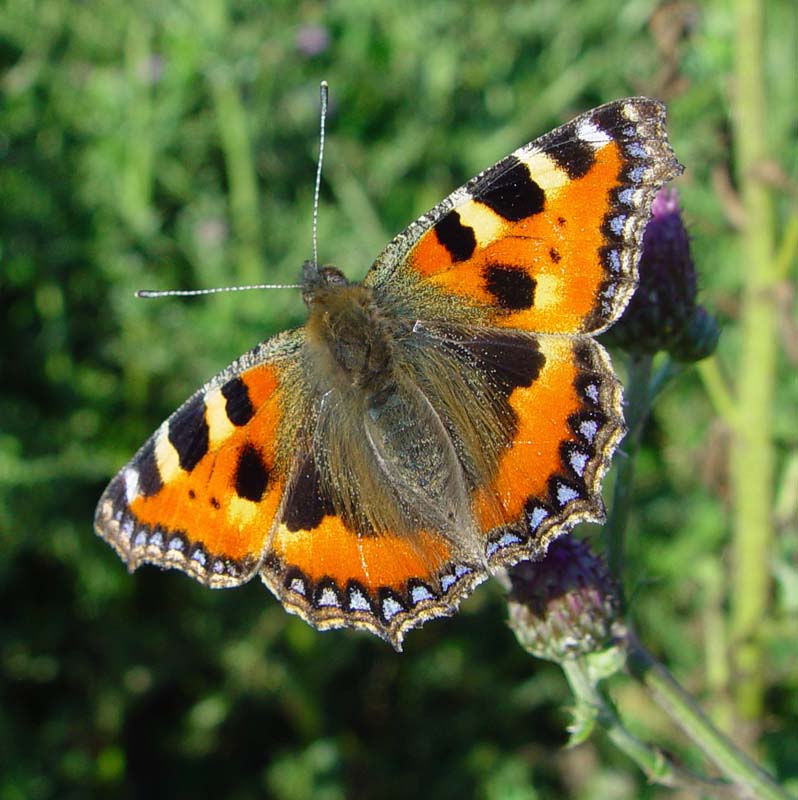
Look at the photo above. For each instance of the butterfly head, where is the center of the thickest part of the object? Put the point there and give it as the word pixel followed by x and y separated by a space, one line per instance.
pixel 318 280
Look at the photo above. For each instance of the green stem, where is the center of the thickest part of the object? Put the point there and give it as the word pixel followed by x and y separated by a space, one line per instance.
pixel 717 391
pixel 714 623
pixel 786 250
pixel 657 767
pixel 637 407
pixel 751 454
pixel 682 709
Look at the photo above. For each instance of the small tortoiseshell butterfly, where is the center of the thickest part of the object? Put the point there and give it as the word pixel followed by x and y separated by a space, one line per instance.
pixel 448 416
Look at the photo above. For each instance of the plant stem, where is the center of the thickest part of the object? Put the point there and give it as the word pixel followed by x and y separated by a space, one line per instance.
pixel 717 391
pixel 637 407
pixel 657 767
pixel 786 249
pixel 683 710
pixel 751 452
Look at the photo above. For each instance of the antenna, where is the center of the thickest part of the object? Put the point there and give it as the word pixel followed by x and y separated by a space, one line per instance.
pixel 324 93
pixel 150 293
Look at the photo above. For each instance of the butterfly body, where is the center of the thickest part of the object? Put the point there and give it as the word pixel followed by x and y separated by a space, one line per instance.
pixel 448 416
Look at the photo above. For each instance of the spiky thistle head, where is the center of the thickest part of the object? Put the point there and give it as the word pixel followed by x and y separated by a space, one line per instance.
pixel 565 605
pixel 663 313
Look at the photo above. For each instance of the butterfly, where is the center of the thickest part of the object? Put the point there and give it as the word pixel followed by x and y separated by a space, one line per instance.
pixel 449 416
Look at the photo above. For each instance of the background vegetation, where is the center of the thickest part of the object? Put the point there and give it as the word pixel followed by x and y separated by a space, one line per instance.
pixel 173 144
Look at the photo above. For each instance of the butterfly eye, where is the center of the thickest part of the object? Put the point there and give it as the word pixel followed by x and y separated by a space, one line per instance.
pixel 316 278
pixel 311 275
pixel 331 276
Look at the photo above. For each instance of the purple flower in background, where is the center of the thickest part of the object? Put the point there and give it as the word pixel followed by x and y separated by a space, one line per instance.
pixel 311 40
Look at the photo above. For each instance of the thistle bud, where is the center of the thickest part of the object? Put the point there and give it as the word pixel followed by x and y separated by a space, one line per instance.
pixel 565 605
pixel 700 338
pixel 663 314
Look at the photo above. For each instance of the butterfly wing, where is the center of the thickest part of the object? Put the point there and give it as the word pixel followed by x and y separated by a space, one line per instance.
pixel 546 240
pixel 335 574
pixel 202 493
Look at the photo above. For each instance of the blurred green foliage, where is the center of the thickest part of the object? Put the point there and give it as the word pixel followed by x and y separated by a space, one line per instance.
pixel 173 145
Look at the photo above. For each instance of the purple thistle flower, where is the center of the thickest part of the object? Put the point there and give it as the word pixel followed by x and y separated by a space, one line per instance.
pixel 565 605
pixel 663 314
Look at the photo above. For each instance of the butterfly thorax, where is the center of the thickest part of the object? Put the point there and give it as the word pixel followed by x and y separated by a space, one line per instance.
pixel 351 336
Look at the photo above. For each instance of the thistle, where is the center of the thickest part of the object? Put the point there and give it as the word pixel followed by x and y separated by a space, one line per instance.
pixel 663 313
pixel 565 605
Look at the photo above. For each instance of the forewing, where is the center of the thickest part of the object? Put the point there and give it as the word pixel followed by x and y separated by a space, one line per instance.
pixel 547 239
pixel 202 493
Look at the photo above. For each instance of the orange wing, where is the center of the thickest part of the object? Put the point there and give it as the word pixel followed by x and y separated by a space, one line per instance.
pixel 546 240
pixel 333 576
pixel 548 479
pixel 559 408
pixel 202 493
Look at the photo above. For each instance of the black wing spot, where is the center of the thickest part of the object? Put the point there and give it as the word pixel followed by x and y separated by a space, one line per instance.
pixel 457 238
pixel 573 155
pixel 512 287
pixel 188 433
pixel 215 503
pixel 510 360
pixel 513 195
pixel 238 406
pixel 252 476
pixel 150 481
pixel 307 504
pixel 611 118
pixel 554 255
